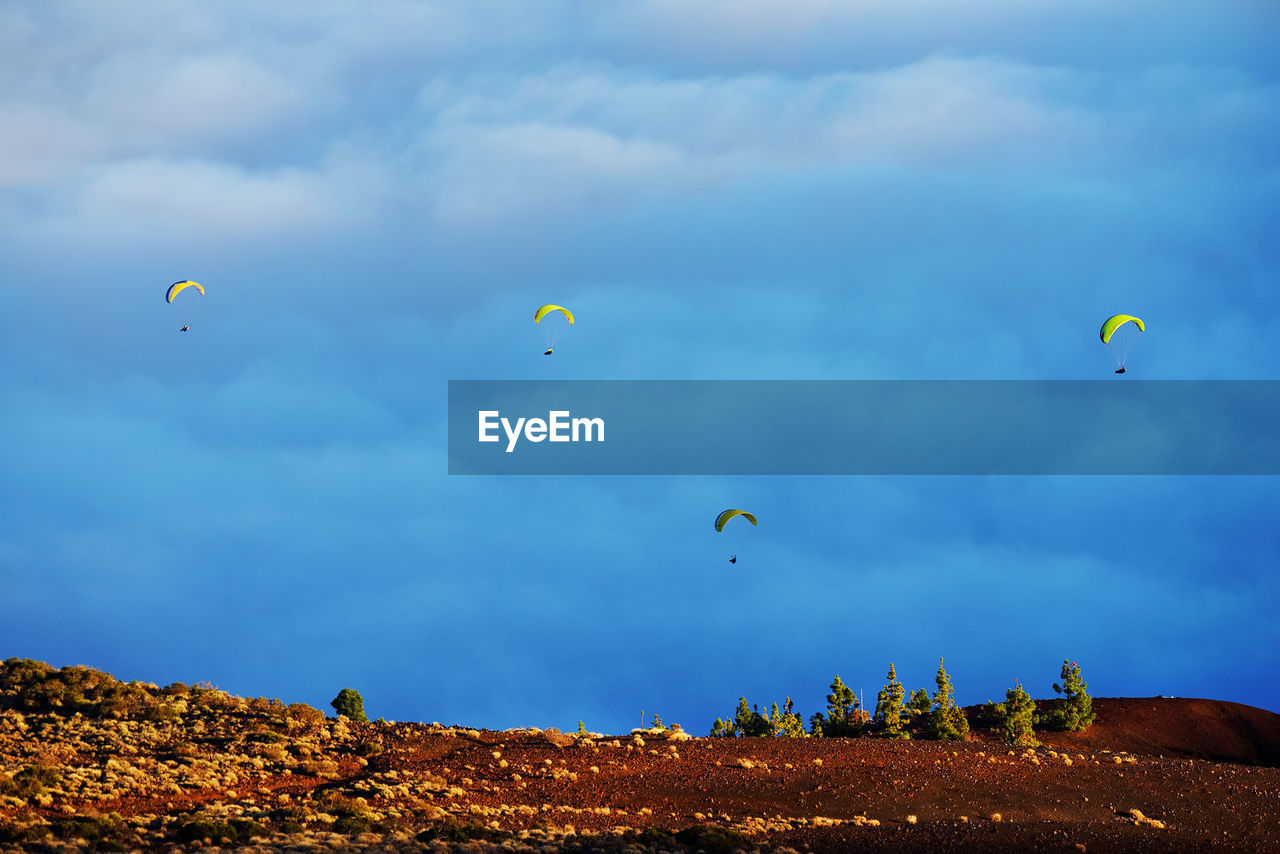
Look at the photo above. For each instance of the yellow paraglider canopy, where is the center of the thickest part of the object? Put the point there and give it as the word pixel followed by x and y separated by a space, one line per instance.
pixel 547 309
pixel 1113 323
pixel 729 514
pixel 177 287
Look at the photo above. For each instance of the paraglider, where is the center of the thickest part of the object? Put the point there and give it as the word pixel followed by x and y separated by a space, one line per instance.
pixel 553 329
pixel 729 514
pixel 1119 332
pixel 724 517
pixel 543 311
pixel 177 288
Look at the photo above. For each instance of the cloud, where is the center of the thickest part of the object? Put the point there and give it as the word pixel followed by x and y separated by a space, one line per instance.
pixel 568 140
pixel 170 95
pixel 214 199
pixel 176 102
pixel 377 198
pixel 282 119
pixel 517 171
pixel 817 36
pixel 41 145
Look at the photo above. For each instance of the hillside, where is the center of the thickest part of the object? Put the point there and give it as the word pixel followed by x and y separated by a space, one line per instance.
pixel 90 763
pixel 1174 726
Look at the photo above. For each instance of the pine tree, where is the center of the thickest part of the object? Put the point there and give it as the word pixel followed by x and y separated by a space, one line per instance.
pixel 759 726
pixel 786 723
pixel 1016 716
pixel 841 702
pixel 843 712
pixel 947 721
pixel 350 704
pixel 750 722
pixel 742 717
pixel 1076 711
pixel 723 729
pixel 919 702
pixel 889 706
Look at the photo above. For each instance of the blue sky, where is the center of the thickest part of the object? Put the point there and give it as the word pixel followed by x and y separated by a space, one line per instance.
pixel 377 196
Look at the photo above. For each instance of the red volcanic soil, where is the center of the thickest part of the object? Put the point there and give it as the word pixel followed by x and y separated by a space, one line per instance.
pixel 954 792
pixel 1173 726
pixel 1150 775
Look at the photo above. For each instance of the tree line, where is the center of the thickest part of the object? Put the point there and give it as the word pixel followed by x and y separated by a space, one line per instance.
pixel 901 715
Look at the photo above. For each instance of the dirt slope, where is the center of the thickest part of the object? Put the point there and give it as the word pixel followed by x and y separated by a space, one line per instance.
pixel 1173 726
pixel 88 763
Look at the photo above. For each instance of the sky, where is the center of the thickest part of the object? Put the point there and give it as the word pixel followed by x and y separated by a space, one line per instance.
pixel 376 196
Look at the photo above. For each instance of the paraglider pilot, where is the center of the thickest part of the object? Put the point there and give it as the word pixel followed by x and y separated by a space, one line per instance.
pixel 548 353
pixel 733 559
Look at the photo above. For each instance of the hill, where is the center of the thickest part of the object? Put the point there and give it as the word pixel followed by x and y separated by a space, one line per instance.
pixel 1174 726
pixel 91 763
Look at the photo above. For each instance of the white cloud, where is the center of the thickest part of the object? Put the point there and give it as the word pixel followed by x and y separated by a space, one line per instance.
pixel 39 145
pixel 578 137
pixel 588 149
pixel 512 170
pixel 79 101
pixel 302 115
pixel 215 199
pixel 161 100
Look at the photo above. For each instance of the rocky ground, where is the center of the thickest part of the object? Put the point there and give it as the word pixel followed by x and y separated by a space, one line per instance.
pixel 89 763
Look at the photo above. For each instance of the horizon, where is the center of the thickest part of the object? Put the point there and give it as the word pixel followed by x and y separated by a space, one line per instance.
pixel 375 201
pixel 330 709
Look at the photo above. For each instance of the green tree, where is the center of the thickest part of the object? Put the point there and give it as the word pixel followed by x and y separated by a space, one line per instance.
pixel 1076 710
pixel 947 721
pixel 1016 717
pixel 723 729
pixel 350 704
pixel 841 702
pixel 844 713
pixel 742 717
pixel 786 723
pixel 919 702
pixel 747 722
pixel 733 728
pixel 889 706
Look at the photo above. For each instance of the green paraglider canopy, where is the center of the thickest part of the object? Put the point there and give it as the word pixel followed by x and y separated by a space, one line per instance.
pixel 729 514
pixel 552 329
pixel 543 311
pixel 1119 332
pixel 1113 323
